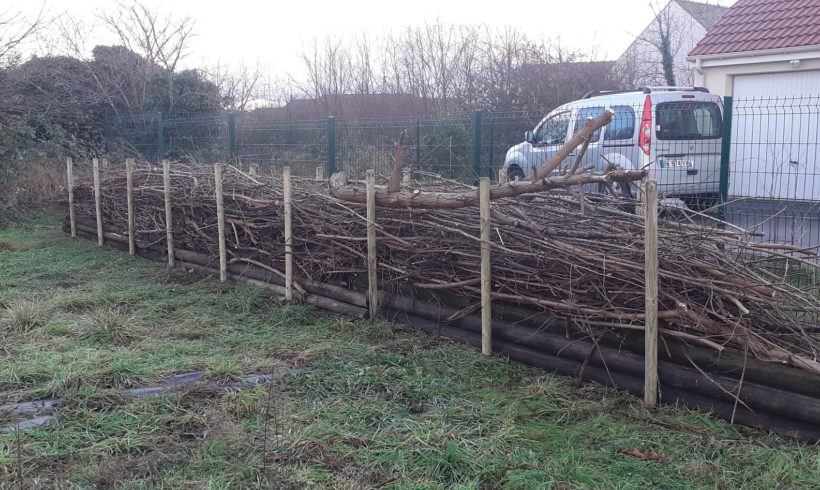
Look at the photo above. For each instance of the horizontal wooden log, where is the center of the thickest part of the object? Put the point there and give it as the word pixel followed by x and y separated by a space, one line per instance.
pixel 633 384
pixel 756 396
pixel 210 266
pixel 451 200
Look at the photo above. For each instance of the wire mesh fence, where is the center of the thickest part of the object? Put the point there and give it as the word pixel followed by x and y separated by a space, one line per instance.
pixel 774 182
pixel 759 155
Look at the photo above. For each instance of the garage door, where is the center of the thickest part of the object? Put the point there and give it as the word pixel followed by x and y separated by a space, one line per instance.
pixel 775 149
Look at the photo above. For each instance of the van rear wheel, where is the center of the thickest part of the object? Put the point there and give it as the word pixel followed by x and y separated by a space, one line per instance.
pixel 619 190
pixel 515 173
pixel 616 189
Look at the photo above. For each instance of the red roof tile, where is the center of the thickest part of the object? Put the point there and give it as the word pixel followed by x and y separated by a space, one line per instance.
pixel 752 25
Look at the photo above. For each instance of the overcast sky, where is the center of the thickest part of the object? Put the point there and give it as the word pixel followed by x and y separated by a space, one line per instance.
pixel 274 31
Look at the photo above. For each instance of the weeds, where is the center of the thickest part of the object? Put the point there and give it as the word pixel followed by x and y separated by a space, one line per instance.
pixel 24 315
pixel 110 326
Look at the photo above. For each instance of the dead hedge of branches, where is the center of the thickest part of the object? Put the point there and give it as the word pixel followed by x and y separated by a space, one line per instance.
pixel 576 256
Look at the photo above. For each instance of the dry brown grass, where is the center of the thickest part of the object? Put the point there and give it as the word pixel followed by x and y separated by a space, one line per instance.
pixel 25 315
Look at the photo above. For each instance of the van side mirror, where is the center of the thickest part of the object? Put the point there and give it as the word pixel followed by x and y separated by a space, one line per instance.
pixel 529 137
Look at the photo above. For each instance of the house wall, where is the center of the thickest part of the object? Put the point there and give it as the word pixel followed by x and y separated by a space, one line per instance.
pixel 719 79
pixel 641 64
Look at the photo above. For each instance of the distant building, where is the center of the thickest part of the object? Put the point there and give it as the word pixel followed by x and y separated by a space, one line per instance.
pixel 351 106
pixel 687 22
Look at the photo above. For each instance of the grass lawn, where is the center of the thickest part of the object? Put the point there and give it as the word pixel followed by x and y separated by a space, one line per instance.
pixel 378 405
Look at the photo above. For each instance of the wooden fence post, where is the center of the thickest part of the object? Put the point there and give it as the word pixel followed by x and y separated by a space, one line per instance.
pixel 288 235
pixel 72 219
pixel 640 208
pixel 372 278
pixel 169 225
pixel 129 196
pixel 320 173
pixel 97 200
pixel 220 222
pixel 486 278
pixel 651 288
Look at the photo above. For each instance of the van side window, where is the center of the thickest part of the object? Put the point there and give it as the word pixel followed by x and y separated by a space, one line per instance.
pixel 554 130
pixel 622 126
pixel 583 115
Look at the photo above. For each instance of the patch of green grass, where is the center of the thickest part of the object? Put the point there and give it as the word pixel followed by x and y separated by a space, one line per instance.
pixel 355 404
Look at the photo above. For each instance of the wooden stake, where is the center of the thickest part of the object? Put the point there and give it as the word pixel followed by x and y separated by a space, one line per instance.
pixel 650 396
pixel 640 207
pixel 220 223
pixel 129 195
pixel 320 173
pixel 486 279
pixel 372 278
pixel 169 225
pixel 72 218
pixel 98 200
pixel 288 235
pixel 502 176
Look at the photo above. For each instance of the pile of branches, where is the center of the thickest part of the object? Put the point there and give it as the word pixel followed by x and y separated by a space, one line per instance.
pixel 579 256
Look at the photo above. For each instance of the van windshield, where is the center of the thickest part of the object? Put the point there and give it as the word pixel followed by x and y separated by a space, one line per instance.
pixel 688 121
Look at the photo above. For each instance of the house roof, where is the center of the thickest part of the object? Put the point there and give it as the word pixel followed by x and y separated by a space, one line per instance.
pixel 752 25
pixel 705 14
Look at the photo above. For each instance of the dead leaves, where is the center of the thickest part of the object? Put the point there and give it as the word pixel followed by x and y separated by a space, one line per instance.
pixel 649 455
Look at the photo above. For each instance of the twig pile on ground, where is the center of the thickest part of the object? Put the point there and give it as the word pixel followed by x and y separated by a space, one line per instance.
pixel 577 256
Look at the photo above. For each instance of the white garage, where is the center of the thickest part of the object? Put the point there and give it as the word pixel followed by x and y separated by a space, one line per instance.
pixel 775 135
pixel 766 54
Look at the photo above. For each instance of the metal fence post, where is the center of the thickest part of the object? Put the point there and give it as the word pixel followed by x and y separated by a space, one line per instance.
pixel 491 127
pixel 725 153
pixel 477 145
pixel 160 142
pixel 231 135
pixel 331 146
pixel 418 144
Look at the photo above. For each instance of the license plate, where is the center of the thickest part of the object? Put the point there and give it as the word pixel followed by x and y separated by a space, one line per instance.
pixel 676 162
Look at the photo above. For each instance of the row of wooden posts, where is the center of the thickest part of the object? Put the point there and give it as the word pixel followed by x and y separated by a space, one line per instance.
pixel 649 209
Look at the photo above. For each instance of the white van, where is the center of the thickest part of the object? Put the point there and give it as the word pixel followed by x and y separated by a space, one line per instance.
pixel 675 132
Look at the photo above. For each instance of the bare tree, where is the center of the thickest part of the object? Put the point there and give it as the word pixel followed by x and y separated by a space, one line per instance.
pixel 161 40
pixel 238 85
pixel 16 29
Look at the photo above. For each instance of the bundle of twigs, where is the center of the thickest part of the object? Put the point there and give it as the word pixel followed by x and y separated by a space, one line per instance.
pixel 578 256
